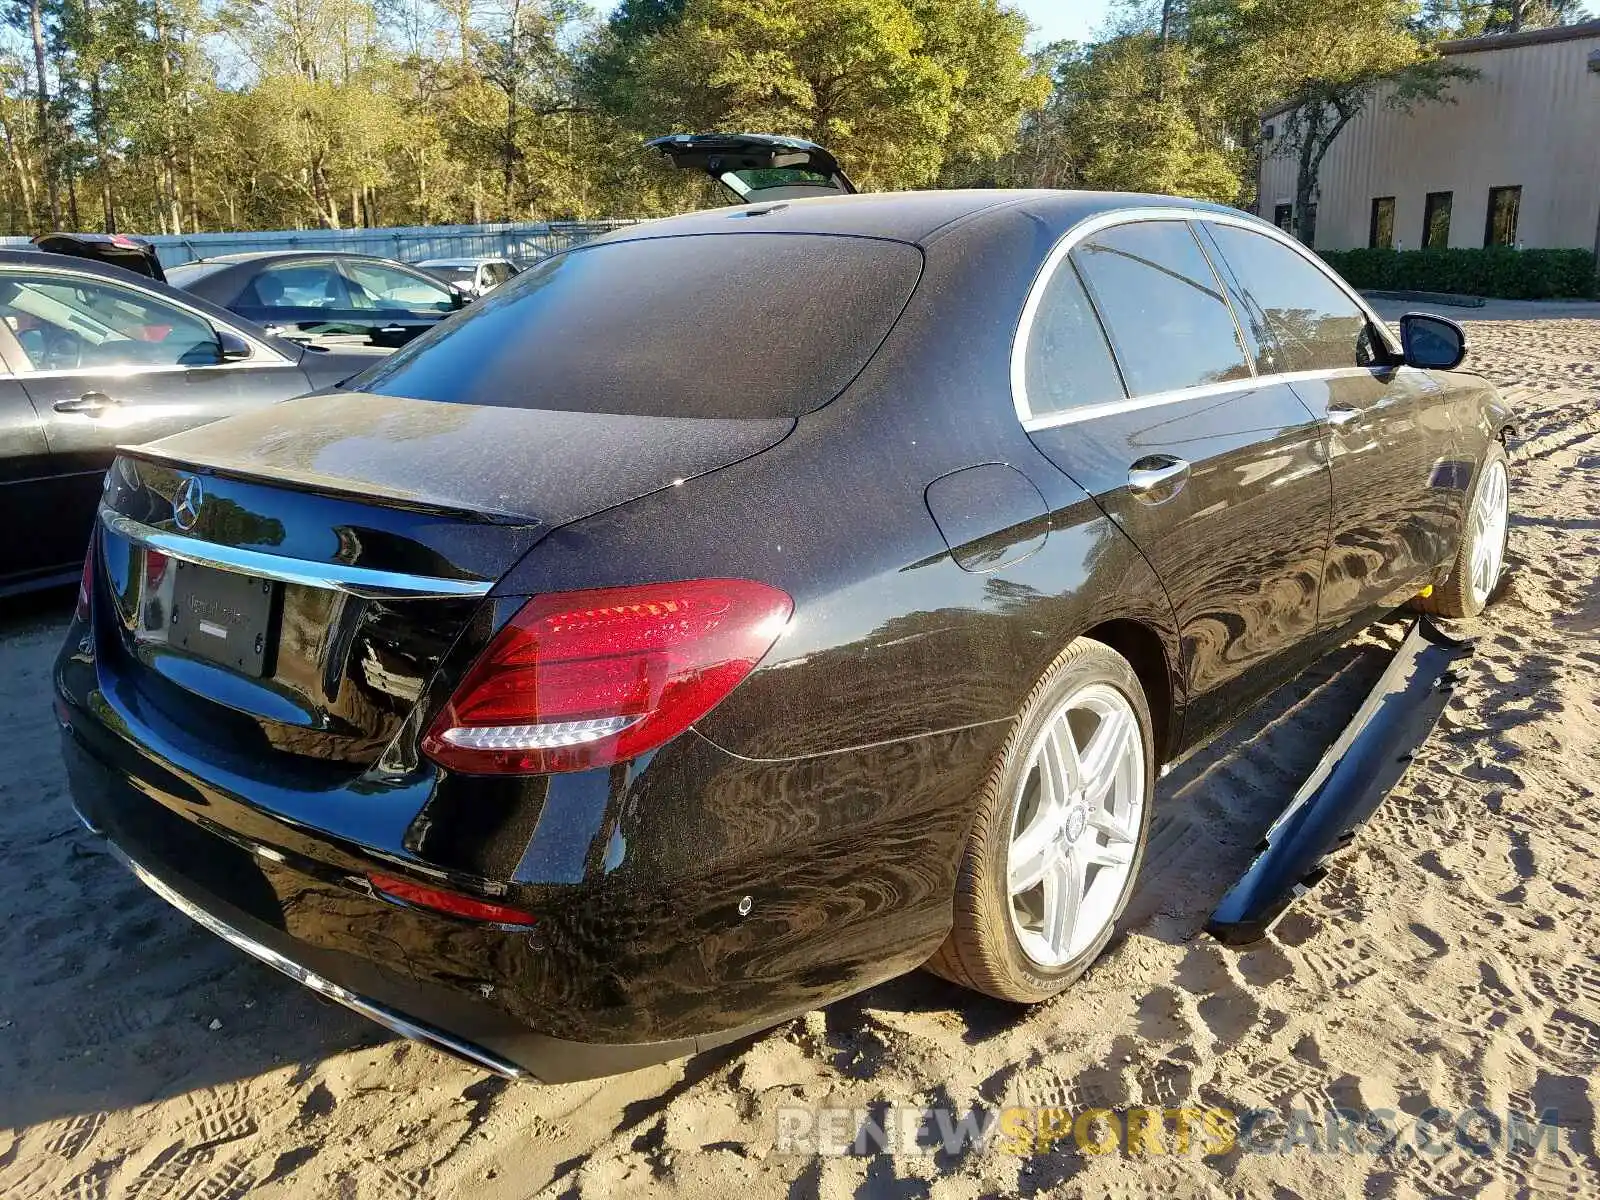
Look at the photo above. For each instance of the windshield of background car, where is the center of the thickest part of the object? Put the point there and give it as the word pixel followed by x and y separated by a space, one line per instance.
pixel 720 325
pixel 761 179
pixel 456 274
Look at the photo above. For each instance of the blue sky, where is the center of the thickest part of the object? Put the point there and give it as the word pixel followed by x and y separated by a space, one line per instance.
pixel 1057 19
pixel 1052 19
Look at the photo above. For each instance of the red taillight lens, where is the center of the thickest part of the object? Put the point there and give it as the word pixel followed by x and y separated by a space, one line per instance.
pixel 453 903
pixel 86 582
pixel 585 679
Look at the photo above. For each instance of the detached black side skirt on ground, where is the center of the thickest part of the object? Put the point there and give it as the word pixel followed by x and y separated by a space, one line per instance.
pixel 1348 785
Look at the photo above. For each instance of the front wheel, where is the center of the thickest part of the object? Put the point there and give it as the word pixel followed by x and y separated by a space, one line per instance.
pixel 1059 832
pixel 1481 557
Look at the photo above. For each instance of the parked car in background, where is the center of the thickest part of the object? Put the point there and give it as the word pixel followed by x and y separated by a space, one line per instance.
pixel 665 650
pixel 93 357
pixel 473 276
pixel 331 298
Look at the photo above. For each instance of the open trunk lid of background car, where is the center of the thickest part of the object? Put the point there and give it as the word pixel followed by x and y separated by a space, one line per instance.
pixel 129 253
pixel 758 166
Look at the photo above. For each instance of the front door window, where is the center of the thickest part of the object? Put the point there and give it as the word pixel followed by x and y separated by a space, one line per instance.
pixel 76 323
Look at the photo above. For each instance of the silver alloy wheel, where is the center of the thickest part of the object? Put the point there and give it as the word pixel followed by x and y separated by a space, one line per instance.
pixel 1075 826
pixel 1490 516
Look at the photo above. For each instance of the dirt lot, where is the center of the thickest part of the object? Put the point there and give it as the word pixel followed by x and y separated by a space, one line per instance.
pixel 1450 959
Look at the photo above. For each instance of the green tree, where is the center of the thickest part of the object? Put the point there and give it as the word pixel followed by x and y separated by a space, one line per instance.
pixel 1329 61
pixel 898 88
pixel 1132 114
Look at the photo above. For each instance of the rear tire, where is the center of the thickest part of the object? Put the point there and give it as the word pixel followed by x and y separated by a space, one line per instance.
pixel 1481 556
pixel 1075 815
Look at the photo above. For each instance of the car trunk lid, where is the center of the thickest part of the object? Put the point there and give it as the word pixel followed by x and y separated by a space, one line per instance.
pixel 289 580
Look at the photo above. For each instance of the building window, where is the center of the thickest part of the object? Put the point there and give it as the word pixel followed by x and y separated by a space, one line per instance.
pixel 1501 227
pixel 1436 221
pixel 1380 234
pixel 1283 216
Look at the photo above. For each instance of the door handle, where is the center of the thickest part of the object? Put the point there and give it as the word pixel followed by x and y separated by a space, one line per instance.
pixel 90 404
pixel 1342 414
pixel 1159 477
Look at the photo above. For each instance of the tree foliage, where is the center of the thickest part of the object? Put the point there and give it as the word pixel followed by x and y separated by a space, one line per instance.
pixel 183 115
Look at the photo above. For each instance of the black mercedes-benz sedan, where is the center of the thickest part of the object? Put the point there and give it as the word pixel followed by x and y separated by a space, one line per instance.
pixel 93 356
pixel 739 610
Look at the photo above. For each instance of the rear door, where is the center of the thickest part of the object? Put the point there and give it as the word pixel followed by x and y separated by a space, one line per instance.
pixel 1396 500
pixel 108 364
pixel 1219 477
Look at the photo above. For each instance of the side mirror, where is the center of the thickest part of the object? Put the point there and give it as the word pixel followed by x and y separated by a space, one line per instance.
pixel 1433 343
pixel 233 346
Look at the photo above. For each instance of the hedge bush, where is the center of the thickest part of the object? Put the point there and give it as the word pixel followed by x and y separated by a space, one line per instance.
pixel 1491 271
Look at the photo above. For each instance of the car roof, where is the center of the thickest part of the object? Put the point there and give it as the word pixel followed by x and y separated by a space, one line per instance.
pixel 916 217
pixel 457 262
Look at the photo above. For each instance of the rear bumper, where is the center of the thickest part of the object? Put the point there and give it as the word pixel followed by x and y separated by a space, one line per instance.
pixel 300 973
pixel 448 1019
pixel 640 951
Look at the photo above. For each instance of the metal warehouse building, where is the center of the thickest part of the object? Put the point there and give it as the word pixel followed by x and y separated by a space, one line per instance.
pixel 1515 160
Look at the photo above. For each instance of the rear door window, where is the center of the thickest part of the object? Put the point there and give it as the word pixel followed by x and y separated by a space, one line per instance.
pixel 1067 363
pixel 1162 306
pixel 1310 323
pixel 298 285
pixel 726 325
pixel 69 323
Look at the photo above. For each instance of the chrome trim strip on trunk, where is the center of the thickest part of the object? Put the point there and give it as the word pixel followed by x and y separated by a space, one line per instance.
pixel 365 582
pixel 373 1011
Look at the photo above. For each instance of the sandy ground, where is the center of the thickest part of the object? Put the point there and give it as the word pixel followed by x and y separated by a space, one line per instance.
pixel 1449 959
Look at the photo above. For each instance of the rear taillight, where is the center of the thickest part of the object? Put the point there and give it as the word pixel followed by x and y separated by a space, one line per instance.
pixel 86 582
pixel 585 679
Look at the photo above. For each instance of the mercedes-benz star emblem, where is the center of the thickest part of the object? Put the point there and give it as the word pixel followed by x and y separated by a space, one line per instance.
pixel 187 501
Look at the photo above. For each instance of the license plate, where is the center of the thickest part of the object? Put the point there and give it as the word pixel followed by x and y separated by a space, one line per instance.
pixel 220 616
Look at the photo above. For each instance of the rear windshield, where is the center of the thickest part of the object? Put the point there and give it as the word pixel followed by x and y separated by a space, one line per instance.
pixel 734 325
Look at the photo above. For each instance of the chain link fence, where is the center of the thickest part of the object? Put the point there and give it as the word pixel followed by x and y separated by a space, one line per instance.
pixel 522 242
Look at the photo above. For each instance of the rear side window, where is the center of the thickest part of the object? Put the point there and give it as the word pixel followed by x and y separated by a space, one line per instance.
pixel 1068 363
pixel 1162 306
pixel 297 285
pixel 1311 324
pixel 730 325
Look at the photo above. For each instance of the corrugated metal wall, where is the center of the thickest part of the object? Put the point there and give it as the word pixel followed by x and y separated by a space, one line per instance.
pixel 1531 119
pixel 525 241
